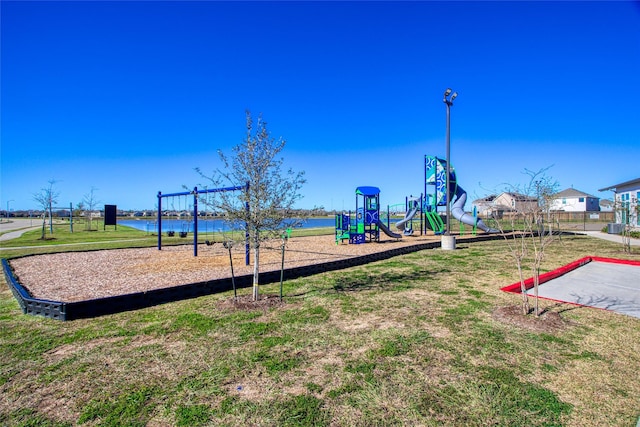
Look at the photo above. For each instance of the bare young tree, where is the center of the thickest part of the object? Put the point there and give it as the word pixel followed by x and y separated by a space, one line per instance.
pixel 531 230
pixel 90 201
pixel 266 206
pixel 627 211
pixel 46 198
pixel 546 188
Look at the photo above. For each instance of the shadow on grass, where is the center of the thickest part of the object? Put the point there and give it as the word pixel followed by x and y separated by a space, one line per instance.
pixel 390 280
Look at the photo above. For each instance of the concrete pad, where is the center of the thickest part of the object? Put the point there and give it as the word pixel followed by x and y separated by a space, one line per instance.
pixel 606 285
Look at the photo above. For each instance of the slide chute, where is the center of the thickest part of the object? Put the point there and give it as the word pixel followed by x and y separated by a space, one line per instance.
pixel 457 211
pixel 402 224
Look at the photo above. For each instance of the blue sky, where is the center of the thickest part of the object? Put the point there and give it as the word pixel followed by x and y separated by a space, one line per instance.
pixel 130 97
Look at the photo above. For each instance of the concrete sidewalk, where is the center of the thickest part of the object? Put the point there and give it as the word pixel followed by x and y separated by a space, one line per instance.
pixel 16 227
pixel 610 237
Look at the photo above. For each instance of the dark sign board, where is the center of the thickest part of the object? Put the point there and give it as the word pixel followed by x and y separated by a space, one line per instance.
pixel 110 217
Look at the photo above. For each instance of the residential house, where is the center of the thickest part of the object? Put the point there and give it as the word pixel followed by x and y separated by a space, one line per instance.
pixel 626 201
pixel 506 202
pixel 483 206
pixel 606 205
pixel 572 200
pixel 510 201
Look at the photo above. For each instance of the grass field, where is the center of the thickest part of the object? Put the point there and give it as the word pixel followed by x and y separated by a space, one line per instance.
pixel 408 341
pixel 63 239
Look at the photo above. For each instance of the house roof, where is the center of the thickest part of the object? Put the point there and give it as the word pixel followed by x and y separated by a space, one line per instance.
pixel 520 197
pixel 622 184
pixel 572 192
pixel 490 198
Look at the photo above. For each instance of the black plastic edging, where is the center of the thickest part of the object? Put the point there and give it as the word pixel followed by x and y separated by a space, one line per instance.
pixel 117 304
pixel 28 304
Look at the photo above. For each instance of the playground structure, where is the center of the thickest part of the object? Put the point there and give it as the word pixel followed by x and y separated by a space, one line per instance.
pixel 366 224
pixel 413 206
pixel 196 194
pixel 436 181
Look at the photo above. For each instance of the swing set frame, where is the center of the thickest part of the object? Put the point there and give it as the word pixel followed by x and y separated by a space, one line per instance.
pixel 195 193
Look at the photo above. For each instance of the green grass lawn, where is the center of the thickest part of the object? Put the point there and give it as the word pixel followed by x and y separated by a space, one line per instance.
pixel 407 341
pixel 63 239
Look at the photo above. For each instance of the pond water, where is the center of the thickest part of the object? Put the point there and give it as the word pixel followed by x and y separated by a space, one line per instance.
pixel 206 225
pixel 209 225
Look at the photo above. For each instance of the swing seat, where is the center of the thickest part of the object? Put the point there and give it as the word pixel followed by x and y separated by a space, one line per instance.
pixel 171 233
pixel 208 242
pixel 183 234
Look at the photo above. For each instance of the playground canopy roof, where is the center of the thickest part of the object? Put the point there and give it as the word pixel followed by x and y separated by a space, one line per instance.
pixel 368 191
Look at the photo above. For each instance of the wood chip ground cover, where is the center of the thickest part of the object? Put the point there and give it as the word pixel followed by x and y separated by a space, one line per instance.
pixel 79 276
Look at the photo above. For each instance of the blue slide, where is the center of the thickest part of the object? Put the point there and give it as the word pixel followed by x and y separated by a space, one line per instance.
pixel 387 231
pixel 457 211
pixel 402 224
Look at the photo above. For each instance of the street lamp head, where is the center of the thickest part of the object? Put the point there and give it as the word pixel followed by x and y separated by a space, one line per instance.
pixel 450 100
pixel 446 93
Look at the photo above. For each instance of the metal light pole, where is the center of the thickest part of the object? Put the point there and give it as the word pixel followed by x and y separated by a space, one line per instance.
pixel 448 100
pixel 8 201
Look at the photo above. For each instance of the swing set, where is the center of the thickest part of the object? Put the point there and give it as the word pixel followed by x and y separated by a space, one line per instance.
pixel 195 193
pixel 178 213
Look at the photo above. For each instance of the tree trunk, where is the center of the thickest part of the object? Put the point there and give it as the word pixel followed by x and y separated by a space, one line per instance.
pixel 44 226
pixel 536 282
pixel 256 272
pixel 50 218
pixel 523 292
